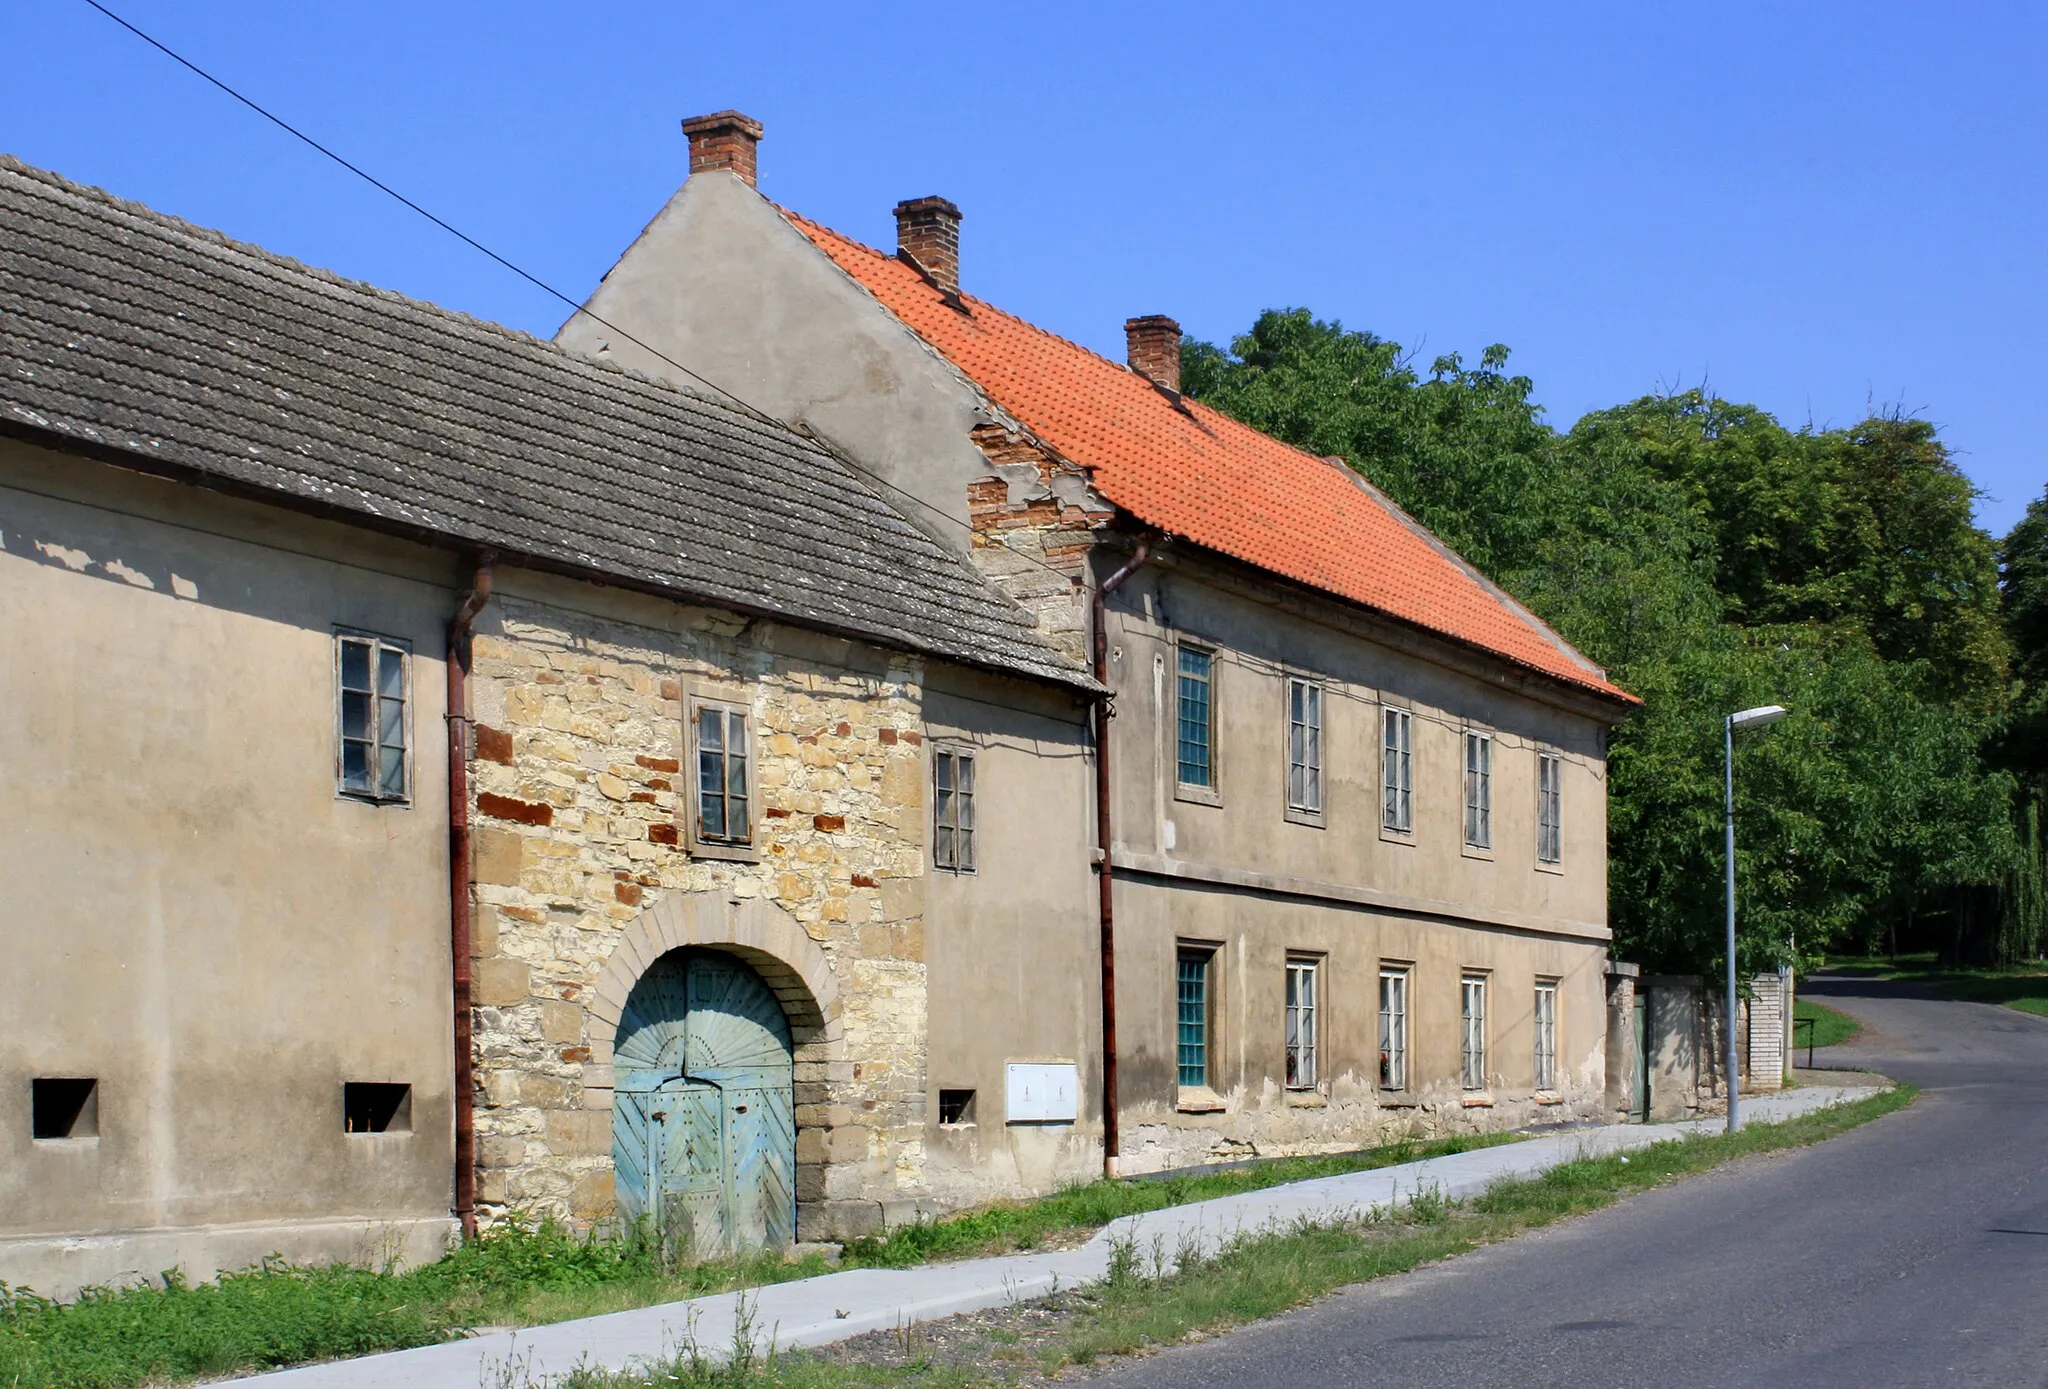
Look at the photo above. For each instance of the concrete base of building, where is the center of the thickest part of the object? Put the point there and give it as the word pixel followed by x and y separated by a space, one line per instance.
pixel 59 1265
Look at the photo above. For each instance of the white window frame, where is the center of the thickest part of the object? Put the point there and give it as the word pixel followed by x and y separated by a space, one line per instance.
pixel 381 650
pixel 1472 1032
pixel 1394 996
pixel 1303 1022
pixel 954 841
pixel 1305 735
pixel 1397 771
pixel 1478 789
pixel 744 846
pixel 1546 1034
pixel 1549 809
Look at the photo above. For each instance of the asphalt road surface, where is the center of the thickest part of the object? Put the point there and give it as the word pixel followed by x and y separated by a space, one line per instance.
pixel 1910 1251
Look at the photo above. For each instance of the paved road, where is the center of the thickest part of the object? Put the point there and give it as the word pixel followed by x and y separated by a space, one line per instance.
pixel 1910 1251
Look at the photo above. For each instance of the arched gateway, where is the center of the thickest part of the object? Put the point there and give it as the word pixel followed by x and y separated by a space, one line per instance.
pixel 703 1120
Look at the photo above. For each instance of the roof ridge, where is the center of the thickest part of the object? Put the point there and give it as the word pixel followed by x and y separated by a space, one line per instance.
pixel 1163 458
pixel 390 411
pixel 320 275
pixel 995 309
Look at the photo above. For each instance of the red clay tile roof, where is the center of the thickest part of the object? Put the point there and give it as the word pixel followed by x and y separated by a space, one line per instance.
pixel 1202 476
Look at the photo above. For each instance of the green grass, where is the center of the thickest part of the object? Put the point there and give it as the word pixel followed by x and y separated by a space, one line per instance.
pixel 277 1314
pixel 2022 986
pixel 1261 1276
pixel 523 1274
pixel 2026 992
pixel 1831 1027
pixel 1011 1226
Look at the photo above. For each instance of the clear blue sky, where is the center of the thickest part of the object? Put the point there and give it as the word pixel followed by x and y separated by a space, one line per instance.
pixel 1815 207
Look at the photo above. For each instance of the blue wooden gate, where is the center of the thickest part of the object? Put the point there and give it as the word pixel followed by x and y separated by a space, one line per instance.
pixel 703 1124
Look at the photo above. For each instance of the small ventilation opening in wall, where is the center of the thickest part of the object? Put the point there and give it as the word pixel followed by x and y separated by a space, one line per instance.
pixel 370 1106
pixel 956 1106
pixel 64 1108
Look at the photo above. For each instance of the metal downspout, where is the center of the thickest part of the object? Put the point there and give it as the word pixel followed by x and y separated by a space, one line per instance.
pixel 1104 711
pixel 460 908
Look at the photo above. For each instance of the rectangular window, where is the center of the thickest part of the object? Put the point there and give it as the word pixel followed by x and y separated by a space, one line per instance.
pixel 1304 746
pixel 1393 1029
pixel 953 809
pixel 723 813
pixel 1546 1034
pixel 1397 811
pixel 1473 1048
pixel 1191 1016
pixel 1549 808
pixel 956 1106
pixel 370 717
pixel 1196 715
pixel 60 1107
pixel 1301 1023
pixel 376 1107
pixel 1479 790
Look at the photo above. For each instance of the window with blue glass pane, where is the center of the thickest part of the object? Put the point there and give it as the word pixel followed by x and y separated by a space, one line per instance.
pixel 370 718
pixel 1195 709
pixel 1191 1001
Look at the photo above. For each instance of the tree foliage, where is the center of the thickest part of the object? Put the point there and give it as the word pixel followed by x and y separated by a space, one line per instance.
pixel 1712 558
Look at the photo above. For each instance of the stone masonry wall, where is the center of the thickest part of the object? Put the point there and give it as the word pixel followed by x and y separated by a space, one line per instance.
pixel 580 778
pixel 1035 518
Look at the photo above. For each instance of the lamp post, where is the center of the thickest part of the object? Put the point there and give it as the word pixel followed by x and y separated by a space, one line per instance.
pixel 1748 718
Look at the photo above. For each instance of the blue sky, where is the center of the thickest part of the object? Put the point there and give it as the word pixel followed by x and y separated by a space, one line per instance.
pixel 1819 208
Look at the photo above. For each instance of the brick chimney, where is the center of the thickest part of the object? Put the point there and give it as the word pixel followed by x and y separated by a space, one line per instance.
pixel 928 231
pixel 724 140
pixel 1152 346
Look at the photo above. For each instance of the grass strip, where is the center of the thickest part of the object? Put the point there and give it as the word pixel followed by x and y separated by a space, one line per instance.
pixel 527 1274
pixel 1831 1026
pixel 1258 1276
pixel 1010 1226
pixel 2022 986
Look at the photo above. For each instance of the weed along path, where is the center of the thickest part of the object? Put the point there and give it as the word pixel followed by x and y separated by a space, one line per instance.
pixel 837 1307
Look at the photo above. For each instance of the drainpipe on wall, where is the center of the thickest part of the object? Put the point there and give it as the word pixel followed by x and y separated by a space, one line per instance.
pixel 459 906
pixel 1111 1137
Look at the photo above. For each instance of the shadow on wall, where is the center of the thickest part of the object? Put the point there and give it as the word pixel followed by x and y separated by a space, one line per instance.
pixel 183 556
pixel 1678 1036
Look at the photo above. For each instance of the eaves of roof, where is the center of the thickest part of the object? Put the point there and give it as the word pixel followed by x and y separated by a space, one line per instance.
pixel 1184 468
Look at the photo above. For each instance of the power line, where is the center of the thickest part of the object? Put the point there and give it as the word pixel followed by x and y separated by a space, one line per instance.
pixel 537 282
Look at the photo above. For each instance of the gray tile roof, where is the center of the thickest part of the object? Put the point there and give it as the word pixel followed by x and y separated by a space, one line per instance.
pixel 129 331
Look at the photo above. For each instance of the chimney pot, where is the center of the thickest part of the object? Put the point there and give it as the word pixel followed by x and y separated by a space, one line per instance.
pixel 724 140
pixel 928 231
pixel 1152 346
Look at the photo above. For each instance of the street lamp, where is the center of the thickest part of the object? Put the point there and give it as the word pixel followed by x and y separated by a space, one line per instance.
pixel 1748 718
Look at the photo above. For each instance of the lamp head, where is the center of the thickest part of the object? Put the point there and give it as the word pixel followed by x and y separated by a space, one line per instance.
pixel 1757 717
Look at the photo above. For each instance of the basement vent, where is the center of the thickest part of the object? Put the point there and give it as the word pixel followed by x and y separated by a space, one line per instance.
pixel 956 1106
pixel 64 1108
pixel 376 1107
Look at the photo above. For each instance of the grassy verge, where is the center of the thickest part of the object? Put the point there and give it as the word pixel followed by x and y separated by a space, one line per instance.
pixel 1831 1027
pixel 525 1275
pixel 2026 992
pixel 2023 986
pixel 1251 1279
pixel 1078 1210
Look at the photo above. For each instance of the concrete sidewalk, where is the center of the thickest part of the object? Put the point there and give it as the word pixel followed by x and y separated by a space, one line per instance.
pixel 837 1306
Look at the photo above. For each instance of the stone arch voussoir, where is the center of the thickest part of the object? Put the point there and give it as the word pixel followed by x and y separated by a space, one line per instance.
pixel 759 931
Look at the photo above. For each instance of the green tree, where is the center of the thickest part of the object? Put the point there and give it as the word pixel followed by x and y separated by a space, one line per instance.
pixel 1711 559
